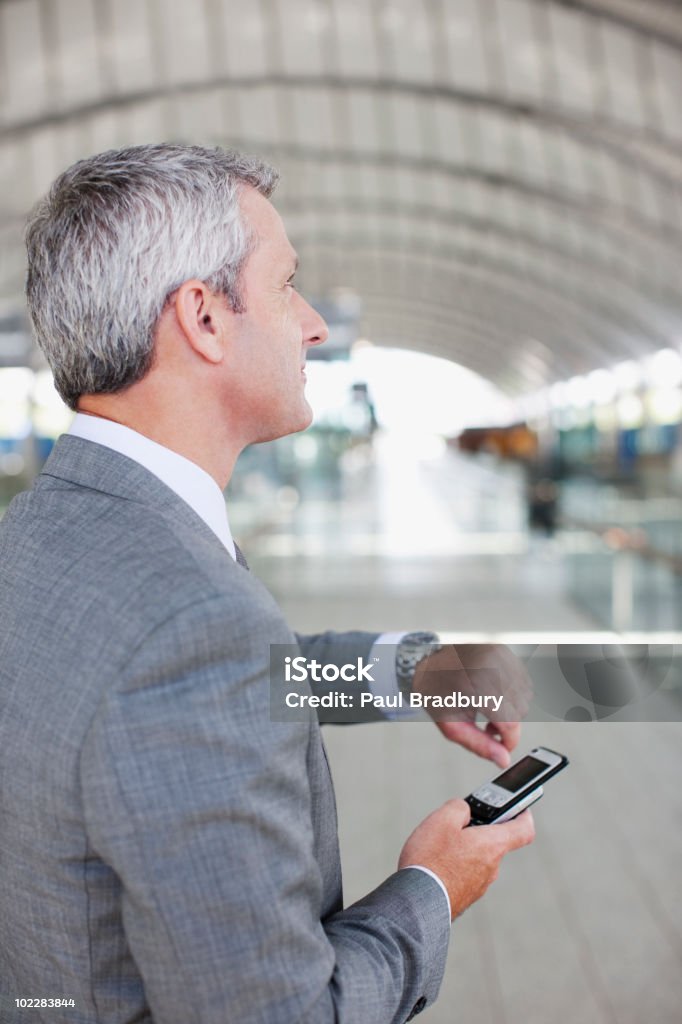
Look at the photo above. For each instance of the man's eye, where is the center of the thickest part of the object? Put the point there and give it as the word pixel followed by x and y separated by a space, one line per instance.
pixel 291 282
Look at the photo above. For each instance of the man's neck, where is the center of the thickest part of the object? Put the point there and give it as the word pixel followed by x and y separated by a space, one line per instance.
pixel 184 435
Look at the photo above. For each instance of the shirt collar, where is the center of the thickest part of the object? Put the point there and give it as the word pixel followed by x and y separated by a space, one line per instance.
pixel 185 478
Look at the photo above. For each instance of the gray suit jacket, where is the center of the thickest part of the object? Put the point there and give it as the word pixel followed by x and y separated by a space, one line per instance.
pixel 167 852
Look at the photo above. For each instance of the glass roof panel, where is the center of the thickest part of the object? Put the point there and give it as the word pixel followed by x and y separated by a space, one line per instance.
pixel 407 40
pixel 631 191
pixel 613 181
pixel 259 115
pixel 650 199
pixel 231 123
pixel 592 241
pixel 146 121
pixel 362 110
pixel 199 117
pixel 556 173
pixel 244 43
pixel 435 188
pixel 406 187
pixel 11 174
pixel 404 112
pixel 42 157
pixel 571 58
pixel 305 27
pixel 301 221
pixel 183 39
pixel 448 141
pixel 504 210
pixel 495 142
pixel 355 179
pixel 573 174
pixel 622 68
pixel 356 38
pixel 676 207
pixel 76 56
pixel 441 234
pixel 105 130
pixel 370 225
pixel 469 152
pixel 594 177
pixel 11 270
pixel 459 200
pixel 542 222
pixel 522 52
pixel 477 199
pixel 377 182
pixel 538 219
pixel 313 116
pixel 533 165
pixel 564 162
pixel 330 186
pixel 668 70
pixel 292 182
pixel 465 44
pixel 24 86
pixel 130 46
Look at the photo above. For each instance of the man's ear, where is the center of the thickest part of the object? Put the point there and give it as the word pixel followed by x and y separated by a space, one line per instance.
pixel 202 317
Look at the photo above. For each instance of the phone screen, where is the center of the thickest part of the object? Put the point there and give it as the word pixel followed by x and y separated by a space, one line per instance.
pixel 519 775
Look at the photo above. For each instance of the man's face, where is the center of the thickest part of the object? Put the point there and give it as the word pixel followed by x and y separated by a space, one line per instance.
pixel 271 339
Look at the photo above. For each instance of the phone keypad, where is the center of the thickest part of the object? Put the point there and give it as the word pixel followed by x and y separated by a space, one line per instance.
pixel 481 813
pixel 491 796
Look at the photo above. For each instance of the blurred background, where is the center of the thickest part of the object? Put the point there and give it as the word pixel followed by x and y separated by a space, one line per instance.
pixel 486 199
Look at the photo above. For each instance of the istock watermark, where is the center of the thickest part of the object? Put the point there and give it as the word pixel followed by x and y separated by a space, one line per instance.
pixel 300 670
pixel 351 680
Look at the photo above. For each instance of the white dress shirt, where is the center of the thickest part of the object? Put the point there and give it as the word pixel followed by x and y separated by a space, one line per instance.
pixel 189 481
pixel 200 491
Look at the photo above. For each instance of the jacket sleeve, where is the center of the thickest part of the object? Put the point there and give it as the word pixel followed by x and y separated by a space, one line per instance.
pixel 201 805
pixel 336 648
pixel 340 649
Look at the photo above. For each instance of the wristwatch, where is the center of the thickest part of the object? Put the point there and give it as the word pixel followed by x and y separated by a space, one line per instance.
pixel 412 649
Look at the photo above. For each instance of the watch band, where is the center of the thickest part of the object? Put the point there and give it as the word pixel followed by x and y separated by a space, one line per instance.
pixel 412 649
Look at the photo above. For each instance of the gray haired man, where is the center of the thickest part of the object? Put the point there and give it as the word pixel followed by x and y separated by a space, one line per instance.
pixel 167 852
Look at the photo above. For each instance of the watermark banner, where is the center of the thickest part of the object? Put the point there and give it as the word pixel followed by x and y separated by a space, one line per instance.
pixel 568 682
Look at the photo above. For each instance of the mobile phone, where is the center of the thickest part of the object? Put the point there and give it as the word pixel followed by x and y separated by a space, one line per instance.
pixel 516 788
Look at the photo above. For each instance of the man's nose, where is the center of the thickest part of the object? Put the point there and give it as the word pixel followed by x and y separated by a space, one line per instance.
pixel 315 330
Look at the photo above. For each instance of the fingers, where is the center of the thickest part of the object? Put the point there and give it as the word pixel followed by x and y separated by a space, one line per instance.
pixel 477 740
pixel 509 733
pixel 518 832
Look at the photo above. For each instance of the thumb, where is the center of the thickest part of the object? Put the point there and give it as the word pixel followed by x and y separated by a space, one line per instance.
pixel 459 811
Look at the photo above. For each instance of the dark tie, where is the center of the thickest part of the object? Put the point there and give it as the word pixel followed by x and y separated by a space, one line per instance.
pixel 240 558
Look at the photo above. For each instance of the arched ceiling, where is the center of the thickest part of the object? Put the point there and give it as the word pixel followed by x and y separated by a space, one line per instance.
pixel 499 180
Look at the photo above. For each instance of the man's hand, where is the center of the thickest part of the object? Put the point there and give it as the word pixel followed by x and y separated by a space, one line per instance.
pixel 478 670
pixel 467 860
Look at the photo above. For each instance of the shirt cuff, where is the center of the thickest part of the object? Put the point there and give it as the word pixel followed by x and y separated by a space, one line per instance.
pixel 385 681
pixel 434 876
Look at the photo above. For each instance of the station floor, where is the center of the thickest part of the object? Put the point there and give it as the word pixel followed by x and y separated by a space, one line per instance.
pixel 584 926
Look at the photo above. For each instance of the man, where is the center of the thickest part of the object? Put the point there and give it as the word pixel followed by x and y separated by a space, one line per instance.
pixel 167 852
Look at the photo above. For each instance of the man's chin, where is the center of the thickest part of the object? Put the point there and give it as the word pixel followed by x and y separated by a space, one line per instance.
pixel 303 420
pixel 294 425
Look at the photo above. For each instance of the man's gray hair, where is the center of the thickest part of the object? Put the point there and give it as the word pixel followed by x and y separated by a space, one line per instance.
pixel 114 237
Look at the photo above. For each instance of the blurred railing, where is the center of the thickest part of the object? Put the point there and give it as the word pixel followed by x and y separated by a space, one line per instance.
pixel 622 578
pixel 624 555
